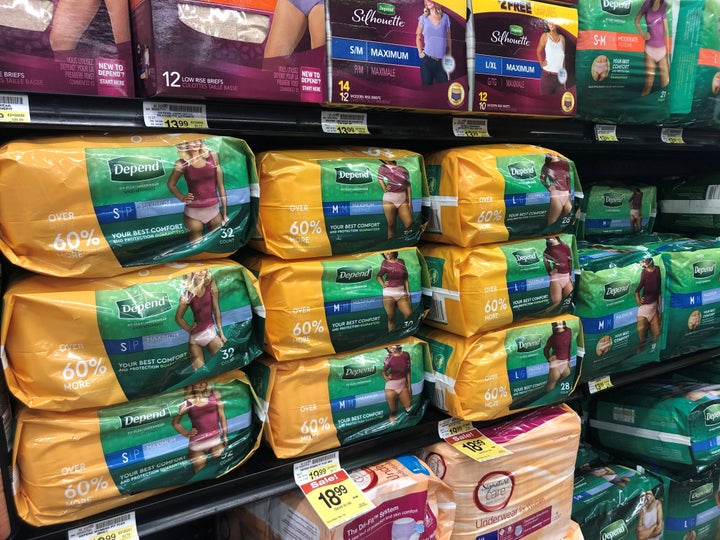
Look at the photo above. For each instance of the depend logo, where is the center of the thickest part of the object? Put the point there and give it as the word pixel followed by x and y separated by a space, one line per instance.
pixel 135 169
pixel 353 274
pixel 516 30
pixel 526 257
pixel 613 199
pixel 386 9
pixel 614 531
pixel 355 371
pixel 531 342
pixel 702 492
pixel 132 420
pixel 617 289
pixel 703 269
pixel 132 309
pixel 522 170
pixel 712 415
pixel 347 175
pixel 616 7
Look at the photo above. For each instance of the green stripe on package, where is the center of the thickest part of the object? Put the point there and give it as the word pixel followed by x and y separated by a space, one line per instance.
pixel 663 422
pixel 612 210
pixel 615 339
pixel 183 436
pixel 145 222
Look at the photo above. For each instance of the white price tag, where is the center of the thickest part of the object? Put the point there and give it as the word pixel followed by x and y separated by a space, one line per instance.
pixel 344 123
pixel 606 133
pixel 470 127
pixel 121 527
pixel 603 383
pixel 14 108
pixel 672 136
pixel 174 115
pixel 312 469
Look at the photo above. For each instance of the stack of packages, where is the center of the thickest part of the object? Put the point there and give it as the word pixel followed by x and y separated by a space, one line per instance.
pixel 125 324
pixel 502 335
pixel 345 290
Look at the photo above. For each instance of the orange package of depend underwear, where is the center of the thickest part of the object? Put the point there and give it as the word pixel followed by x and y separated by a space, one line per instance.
pixel 321 403
pixel 72 343
pixel 410 503
pixel 95 205
pixel 323 202
pixel 528 492
pixel 324 306
pixel 68 466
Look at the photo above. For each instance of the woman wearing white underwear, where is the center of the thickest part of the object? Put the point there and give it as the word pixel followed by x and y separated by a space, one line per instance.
pixel 650 519
pixel 557 352
pixel 393 277
pixel 600 68
pixel 290 20
pixel 201 295
pixel 657 42
pixel 551 55
pixel 205 200
pixel 394 180
pixel 398 385
pixel 648 295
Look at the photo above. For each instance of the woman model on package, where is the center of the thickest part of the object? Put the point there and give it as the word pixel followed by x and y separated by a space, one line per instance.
pixel 290 20
pixel 636 210
pixel 657 42
pixel 650 519
pixel 558 263
pixel 398 385
pixel 609 475
pixel 209 432
pixel 648 295
pixel 560 343
pixel 393 278
pixel 206 188
pixel 432 39
pixel 555 176
pixel 394 180
pixel 551 55
pixel 600 68
pixel 72 17
pixel 201 295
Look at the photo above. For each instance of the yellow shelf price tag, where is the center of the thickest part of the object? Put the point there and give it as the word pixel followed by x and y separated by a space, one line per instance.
pixel 672 135
pixel 606 133
pixel 598 385
pixel 117 528
pixel 336 498
pixel 344 123
pixel 470 127
pixel 470 441
pixel 14 109
pixel 174 115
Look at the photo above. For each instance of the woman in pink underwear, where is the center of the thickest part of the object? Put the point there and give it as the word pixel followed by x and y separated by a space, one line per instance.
pixel 393 278
pixel 398 385
pixel 555 176
pixel 394 180
pixel 209 432
pixel 600 68
pixel 289 22
pixel 657 42
pixel 558 263
pixel 201 295
pixel 205 200
pixel 558 349
pixel 648 295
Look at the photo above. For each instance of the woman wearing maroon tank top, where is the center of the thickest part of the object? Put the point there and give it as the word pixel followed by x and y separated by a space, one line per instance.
pixel 648 295
pixel 393 278
pixel 202 296
pixel 558 349
pixel 558 263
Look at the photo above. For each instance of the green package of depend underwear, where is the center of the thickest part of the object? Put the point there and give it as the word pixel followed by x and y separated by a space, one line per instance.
pixel 691 204
pixel 615 40
pixel 665 422
pixel 613 501
pixel 619 333
pixel 611 210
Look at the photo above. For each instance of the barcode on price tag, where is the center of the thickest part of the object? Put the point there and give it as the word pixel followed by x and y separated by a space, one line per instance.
pixel 470 127
pixel 603 383
pixel 606 133
pixel 14 108
pixel 174 115
pixel 672 135
pixel 464 437
pixel 121 527
pixel 344 123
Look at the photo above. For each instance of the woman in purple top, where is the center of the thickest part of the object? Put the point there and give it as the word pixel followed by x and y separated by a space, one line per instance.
pixel 636 210
pixel 398 385
pixel 290 20
pixel 560 343
pixel 432 39
pixel 393 278
pixel 202 296
pixel 648 295
pixel 558 263
pixel 657 42
pixel 205 188
pixel 394 180
pixel 209 432
pixel 555 176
